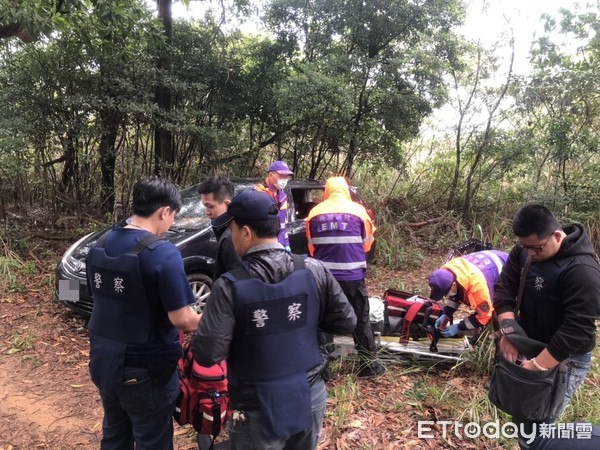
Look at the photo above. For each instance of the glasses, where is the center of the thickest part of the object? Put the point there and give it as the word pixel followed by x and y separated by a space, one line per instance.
pixel 536 248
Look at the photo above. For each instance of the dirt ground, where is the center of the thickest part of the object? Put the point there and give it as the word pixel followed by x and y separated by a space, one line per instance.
pixel 47 400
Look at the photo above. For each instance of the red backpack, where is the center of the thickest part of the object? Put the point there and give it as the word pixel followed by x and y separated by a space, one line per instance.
pixel 203 397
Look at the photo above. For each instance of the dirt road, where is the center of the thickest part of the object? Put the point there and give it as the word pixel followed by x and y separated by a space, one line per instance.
pixel 47 400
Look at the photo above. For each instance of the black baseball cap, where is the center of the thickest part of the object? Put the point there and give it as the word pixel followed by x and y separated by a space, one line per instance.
pixel 249 204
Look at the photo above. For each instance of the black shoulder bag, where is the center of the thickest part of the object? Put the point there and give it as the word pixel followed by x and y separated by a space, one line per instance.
pixel 526 394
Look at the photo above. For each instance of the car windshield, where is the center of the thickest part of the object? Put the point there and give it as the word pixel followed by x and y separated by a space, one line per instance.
pixel 192 215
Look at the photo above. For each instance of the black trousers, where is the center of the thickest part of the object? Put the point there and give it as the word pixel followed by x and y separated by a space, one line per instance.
pixel 356 292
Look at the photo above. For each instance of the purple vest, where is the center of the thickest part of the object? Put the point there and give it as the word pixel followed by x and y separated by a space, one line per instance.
pixel 281 201
pixel 490 263
pixel 338 239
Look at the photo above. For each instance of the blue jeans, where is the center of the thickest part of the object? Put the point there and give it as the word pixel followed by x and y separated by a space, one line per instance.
pixel 140 413
pixel 248 435
pixel 578 367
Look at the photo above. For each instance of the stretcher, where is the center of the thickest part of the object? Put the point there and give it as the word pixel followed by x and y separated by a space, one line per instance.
pixel 449 349
pixel 406 326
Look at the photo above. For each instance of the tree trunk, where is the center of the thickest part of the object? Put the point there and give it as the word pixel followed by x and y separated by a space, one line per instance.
pixel 2 206
pixel 459 145
pixel 69 169
pixel 484 144
pixel 110 125
pixel 164 157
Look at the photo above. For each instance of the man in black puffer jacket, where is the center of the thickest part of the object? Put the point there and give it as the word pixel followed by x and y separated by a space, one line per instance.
pixel 561 297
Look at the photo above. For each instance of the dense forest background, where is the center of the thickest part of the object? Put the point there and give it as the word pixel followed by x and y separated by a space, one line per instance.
pixel 97 93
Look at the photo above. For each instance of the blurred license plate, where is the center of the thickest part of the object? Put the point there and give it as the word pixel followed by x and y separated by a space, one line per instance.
pixel 68 290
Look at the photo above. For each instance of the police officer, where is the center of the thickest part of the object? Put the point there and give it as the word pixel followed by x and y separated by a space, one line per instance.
pixel 560 300
pixel 467 280
pixel 141 301
pixel 263 317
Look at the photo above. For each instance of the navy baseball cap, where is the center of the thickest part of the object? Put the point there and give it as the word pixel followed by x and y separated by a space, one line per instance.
pixel 440 282
pixel 249 204
pixel 281 168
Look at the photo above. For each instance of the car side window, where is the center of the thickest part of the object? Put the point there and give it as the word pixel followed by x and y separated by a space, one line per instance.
pixel 305 200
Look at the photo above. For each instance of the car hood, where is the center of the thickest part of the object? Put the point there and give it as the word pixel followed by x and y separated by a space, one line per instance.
pixel 179 234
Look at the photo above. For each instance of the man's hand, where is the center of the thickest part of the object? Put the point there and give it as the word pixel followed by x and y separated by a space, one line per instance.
pixel 186 318
pixel 527 364
pixel 508 350
pixel 451 331
pixel 441 322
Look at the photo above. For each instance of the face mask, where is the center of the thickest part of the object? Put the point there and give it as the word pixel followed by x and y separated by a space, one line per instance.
pixel 281 184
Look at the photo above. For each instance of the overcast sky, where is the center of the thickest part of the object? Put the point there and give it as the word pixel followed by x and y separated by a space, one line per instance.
pixel 487 20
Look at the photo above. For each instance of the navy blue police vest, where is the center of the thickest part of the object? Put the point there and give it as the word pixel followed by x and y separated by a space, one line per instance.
pixel 275 343
pixel 541 310
pixel 276 325
pixel 121 311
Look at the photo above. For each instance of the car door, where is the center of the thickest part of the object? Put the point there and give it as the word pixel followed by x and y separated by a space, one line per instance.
pixel 301 199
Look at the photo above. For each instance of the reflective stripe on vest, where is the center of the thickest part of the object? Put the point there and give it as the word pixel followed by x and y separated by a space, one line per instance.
pixel 337 240
pixel 345 266
pixel 496 259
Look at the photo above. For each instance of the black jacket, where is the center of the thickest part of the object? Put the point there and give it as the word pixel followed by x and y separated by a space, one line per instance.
pixel 568 318
pixel 270 263
pixel 226 257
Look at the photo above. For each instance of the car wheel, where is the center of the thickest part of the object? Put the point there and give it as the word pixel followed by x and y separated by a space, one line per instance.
pixel 201 285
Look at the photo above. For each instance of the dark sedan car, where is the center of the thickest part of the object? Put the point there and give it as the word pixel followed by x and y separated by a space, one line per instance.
pixel 193 235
